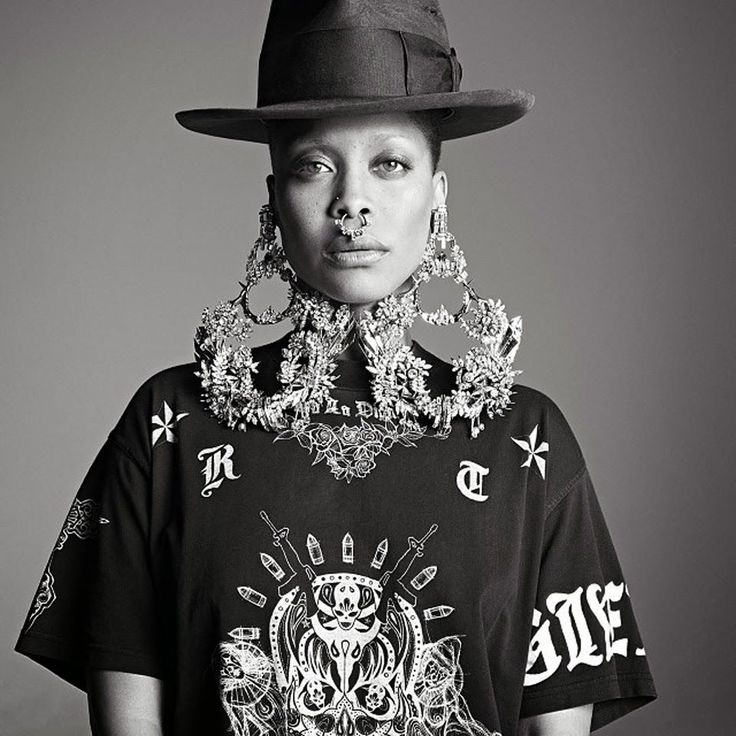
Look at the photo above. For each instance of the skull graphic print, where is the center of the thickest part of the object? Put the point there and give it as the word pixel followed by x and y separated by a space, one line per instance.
pixel 349 654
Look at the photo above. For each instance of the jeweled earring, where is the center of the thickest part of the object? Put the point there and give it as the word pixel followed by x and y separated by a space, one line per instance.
pixel 266 260
pixel 443 259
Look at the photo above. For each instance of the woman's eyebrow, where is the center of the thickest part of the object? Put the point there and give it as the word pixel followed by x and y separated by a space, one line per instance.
pixel 326 143
pixel 298 144
pixel 385 137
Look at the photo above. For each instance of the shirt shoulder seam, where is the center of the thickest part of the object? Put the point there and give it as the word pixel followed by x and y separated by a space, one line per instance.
pixel 553 502
pixel 125 449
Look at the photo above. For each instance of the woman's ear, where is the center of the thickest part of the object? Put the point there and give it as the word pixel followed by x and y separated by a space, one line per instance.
pixel 440 188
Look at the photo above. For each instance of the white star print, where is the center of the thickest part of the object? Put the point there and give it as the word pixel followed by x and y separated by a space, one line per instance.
pixel 534 451
pixel 165 426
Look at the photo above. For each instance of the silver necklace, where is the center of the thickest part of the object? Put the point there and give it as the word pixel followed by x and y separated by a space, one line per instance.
pixel 402 409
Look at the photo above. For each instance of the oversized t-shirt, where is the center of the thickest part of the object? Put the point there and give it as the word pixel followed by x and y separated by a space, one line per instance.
pixel 451 586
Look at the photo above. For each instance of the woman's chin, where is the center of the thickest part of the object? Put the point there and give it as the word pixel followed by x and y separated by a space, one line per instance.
pixel 357 291
pixel 357 299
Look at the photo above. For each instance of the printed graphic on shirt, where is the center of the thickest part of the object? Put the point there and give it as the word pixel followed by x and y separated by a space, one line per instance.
pixel 350 451
pixel 568 637
pixel 164 425
pixel 349 651
pixel 218 467
pixel 45 595
pixel 82 522
pixel 469 480
pixel 530 446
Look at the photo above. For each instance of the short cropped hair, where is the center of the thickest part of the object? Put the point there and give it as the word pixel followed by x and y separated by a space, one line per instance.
pixel 429 123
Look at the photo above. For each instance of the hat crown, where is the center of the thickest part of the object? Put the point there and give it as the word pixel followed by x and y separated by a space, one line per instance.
pixel 354 49
pixel 292 17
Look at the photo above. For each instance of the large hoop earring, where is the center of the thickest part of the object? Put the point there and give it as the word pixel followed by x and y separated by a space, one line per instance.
pixel 443 259
pixel 266 260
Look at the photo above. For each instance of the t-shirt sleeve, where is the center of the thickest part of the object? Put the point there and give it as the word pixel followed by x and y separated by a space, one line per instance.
pixel 96 603
pixel 585 645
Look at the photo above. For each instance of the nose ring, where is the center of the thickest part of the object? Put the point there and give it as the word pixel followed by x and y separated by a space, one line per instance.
pixel 351 232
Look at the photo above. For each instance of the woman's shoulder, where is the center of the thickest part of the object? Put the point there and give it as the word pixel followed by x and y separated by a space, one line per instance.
pixel 529 399
pixel 528 402
pixel 177 381
pixel 540 428
pixel 156 407
pixel 532 420
pixel 171 396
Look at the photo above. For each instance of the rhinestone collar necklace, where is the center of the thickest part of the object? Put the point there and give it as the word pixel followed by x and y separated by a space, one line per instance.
pixel 402 409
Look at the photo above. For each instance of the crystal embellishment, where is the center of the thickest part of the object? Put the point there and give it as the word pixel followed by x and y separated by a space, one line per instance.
pixel 403 408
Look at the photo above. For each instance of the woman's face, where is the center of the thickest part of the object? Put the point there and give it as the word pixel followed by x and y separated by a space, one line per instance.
pixel 379 166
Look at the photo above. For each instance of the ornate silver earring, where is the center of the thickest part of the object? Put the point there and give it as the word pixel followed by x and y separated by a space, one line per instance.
pixel 444 259
pixel 266 260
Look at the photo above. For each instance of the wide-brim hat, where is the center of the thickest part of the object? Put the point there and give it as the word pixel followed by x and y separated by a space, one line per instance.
pixel 323 58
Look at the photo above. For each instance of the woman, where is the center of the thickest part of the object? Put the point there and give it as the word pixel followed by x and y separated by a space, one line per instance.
pixel 338 533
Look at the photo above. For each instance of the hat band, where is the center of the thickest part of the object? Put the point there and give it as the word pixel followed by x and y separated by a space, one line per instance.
pixel 363 62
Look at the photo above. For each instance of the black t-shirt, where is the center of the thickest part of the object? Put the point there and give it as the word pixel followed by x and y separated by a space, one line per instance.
pixel 452 586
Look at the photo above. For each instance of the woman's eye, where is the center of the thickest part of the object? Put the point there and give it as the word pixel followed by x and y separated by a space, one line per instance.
pixel 311 167
pixel 391 166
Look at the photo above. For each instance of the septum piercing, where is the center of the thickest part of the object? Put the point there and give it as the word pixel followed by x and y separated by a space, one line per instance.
pixel 351 232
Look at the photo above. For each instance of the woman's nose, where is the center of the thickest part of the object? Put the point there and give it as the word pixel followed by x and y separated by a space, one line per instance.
pixel 351 198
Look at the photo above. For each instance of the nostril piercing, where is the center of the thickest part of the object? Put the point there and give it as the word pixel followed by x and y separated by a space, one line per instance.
pixel 351 232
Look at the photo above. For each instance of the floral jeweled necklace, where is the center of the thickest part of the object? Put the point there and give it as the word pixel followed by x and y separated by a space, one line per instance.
pixel 402 409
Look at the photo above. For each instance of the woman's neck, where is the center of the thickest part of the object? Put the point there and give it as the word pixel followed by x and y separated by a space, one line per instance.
pixel 353 352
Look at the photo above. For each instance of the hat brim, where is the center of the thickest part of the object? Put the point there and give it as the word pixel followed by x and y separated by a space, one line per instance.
pixel 466 113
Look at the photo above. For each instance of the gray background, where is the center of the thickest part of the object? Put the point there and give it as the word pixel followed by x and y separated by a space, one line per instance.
pixel 605 218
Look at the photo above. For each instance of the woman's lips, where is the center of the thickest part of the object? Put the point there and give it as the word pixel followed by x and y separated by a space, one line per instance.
pixel 363 251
